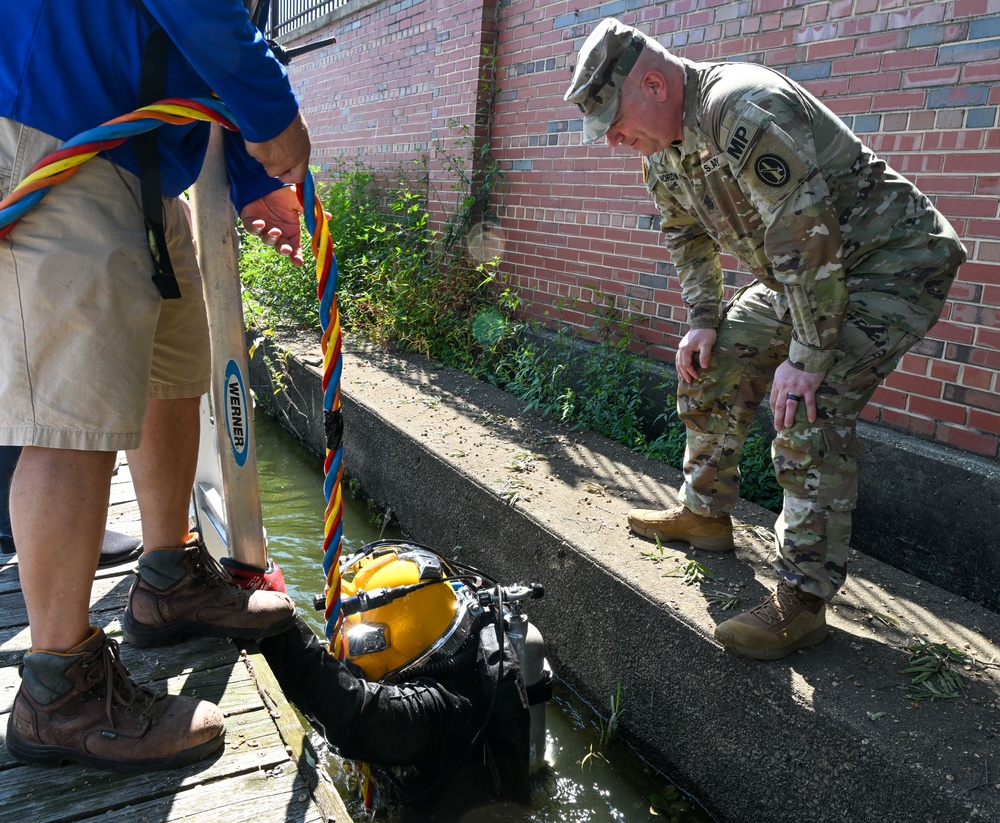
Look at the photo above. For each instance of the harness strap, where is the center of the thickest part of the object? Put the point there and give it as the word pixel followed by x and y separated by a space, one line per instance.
pixel 152 84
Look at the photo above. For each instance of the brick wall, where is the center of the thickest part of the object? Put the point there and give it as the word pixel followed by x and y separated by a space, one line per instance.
pixel 917 80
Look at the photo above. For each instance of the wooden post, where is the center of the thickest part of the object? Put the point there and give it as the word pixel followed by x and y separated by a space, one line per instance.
pixel 237 503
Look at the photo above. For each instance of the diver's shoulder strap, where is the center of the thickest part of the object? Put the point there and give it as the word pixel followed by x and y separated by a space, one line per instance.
pixel 152 83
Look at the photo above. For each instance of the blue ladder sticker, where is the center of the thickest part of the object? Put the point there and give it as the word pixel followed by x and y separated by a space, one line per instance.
pixel 237 418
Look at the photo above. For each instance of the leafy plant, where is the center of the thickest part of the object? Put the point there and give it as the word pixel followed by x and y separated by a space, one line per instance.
pixel 722 599
pixel 592 754
pixel 274 291
pixel 609 731
pixel 694 573
pixel 757 479
pixel 935 676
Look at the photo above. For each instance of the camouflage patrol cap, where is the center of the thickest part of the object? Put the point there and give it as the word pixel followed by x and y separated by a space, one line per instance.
pixel 606 57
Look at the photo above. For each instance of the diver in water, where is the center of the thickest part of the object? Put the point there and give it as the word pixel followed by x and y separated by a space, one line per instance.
pixel 444 724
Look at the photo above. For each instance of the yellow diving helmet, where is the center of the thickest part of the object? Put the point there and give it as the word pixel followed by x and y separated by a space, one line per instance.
pixel 408 611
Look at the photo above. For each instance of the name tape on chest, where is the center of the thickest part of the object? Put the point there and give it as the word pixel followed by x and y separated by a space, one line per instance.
pixel 713 164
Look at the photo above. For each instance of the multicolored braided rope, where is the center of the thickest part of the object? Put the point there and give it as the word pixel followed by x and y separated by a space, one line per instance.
pixel 333 465
pixel 64 163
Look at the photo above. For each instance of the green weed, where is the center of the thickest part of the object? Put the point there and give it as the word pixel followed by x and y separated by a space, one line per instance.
pixel 934 672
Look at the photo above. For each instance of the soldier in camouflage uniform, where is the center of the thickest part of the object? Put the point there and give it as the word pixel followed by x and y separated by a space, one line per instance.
pixel 852 265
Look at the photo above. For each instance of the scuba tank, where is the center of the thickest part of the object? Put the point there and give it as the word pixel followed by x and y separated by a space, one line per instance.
pixel 530 648
pixel 409 613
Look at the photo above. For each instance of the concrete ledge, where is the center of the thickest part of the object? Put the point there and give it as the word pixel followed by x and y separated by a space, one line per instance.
pixel 463 469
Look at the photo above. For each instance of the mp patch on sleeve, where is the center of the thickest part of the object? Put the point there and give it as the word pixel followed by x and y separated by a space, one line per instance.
pixel 740 137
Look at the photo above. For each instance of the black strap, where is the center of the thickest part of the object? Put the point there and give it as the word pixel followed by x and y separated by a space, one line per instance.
pixel 152 84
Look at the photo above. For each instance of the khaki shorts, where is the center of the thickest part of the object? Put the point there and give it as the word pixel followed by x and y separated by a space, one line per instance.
pixel 85 338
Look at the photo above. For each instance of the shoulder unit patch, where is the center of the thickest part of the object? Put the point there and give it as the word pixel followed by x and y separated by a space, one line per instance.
pixel 772 170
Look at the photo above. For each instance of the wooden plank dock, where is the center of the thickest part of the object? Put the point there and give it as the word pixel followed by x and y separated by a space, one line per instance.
pixel 267 770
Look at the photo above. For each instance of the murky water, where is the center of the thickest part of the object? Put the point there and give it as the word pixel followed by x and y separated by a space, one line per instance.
pixel 586 779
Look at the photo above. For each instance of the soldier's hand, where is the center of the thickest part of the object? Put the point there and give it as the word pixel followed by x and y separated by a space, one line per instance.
pixel 791 389
pixel 695 352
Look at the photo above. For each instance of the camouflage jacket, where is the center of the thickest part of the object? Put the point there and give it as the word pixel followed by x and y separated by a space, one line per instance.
pixel 768 173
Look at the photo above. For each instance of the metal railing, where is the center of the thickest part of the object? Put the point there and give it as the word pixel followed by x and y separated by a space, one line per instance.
pixel 286 15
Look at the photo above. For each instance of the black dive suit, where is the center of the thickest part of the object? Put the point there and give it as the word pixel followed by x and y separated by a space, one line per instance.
pixel 446 727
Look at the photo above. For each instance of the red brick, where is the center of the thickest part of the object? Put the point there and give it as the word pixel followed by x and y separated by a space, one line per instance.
pixel 976 315
pixel 883 81
pixel 977 378
pixel 886 144
pixel 917 16
pixel 850 105
pixel 913 364
pixel 984 228
pixel 817 12
pixel 981 72
pixel 986 358
pixel 964 439
pixel 914 384
pixel 898 100
pixel 860 24
pixel 973 397
pixel 828 88
pixel 972 8
pixel 942 184
pixel 968 206
pixel 984 421
pixel 829 49
pixel 889 41
pixel 988 337
pixel 989 252
pixel 937 76
pixel 921 120
pixel 885 396
pixel 857 65
pixel 951 331
pixel 907 422
pixel 945 372
pixel 938 410
pixel 913 164
pixel 979 162
pixel 912 58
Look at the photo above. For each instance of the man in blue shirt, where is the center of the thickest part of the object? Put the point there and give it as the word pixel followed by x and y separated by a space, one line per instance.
pixel 93 360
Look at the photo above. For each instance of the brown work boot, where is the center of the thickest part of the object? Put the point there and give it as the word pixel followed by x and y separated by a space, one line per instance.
pixel 82 706
pixel 787 620
pixel 712 534
pixel 179 592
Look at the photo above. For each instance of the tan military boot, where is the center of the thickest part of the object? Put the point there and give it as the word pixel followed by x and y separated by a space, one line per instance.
pixel 789 619
pixel 82 706
pixel 712 534
pixel 179 592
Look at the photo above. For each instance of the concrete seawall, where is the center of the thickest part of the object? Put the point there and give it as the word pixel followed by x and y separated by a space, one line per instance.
pixel 825 735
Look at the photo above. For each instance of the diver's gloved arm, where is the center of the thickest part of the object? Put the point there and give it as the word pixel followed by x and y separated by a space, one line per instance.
pixel 319 685
pixel 412 723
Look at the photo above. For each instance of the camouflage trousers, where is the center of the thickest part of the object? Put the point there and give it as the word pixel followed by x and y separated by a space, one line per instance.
pixel 815 463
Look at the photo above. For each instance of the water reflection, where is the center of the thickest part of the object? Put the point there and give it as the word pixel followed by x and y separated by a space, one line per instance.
pixel 586 780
